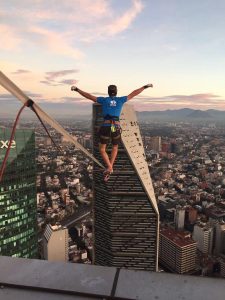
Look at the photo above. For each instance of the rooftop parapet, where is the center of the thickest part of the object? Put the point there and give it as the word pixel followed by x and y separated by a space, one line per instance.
pixel 37 279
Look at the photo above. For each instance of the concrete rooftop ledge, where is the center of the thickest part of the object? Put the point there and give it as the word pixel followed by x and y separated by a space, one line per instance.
pixel 37 279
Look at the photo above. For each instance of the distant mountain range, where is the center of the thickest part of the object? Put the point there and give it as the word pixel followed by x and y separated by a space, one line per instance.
pixel 69 111
pixel 184 114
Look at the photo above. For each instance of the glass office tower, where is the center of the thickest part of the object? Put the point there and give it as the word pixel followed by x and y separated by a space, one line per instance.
pixel 126 218
pixel 18 227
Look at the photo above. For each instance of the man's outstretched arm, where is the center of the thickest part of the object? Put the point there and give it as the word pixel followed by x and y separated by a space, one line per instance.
pixel 138 91
pixel 84 94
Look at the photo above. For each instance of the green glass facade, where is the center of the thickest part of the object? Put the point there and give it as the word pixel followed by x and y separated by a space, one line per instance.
pixel 18 225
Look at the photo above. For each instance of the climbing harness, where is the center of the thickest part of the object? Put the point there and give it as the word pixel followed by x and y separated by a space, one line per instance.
pixel 114 122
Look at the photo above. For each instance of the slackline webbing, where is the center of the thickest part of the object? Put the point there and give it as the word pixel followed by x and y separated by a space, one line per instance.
pixel 14 90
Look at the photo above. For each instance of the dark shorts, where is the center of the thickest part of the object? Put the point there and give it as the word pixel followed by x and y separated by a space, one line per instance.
pixel 106 135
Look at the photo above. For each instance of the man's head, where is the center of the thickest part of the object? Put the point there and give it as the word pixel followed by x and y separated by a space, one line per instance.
pixel 112 90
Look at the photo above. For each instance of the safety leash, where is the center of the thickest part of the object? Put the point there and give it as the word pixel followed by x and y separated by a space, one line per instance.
pixel 30 105
pixel 19 94
pixel 10 142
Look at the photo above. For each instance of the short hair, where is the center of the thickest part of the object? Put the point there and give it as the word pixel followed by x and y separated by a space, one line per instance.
pixel 112 90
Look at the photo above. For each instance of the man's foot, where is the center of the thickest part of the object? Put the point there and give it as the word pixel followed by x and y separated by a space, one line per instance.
pixel 110 170
pixel 106 174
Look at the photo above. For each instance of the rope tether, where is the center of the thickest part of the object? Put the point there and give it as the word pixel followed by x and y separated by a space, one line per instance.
pixel 10 142
pixel 14 90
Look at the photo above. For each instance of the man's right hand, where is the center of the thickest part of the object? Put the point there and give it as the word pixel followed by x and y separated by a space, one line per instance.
pixel 148 85
pixel 74 88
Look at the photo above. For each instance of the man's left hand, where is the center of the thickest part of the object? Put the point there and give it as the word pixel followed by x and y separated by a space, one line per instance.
pixel 148 85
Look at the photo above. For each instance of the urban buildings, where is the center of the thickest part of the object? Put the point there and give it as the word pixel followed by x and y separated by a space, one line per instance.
pixel 126 218
pixel 222 265
pixel 179 218
pixel 203 235
pixel 18 195
pixel 177 251
pixel 55 243
pixel 220 238
pixel 191 215
pixel 156 143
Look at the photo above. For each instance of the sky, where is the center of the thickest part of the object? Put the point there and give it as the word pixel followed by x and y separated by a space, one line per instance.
pixel 177 45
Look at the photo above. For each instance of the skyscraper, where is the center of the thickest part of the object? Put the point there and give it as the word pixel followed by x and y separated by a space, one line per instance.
pixel 222 265
pixel 18 196
pixel 156 143
pixel 179 218
pixel 126 218
pixel 220 238
pixel 203 235
pixel 55 243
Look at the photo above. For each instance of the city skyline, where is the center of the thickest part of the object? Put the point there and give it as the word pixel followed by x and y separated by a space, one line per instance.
pixel 186 161
pixel 178 47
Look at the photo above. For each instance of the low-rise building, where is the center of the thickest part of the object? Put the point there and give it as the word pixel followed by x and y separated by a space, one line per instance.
pixel 177 250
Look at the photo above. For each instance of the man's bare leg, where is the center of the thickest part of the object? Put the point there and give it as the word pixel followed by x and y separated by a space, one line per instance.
pixel 113 154
pixel 102 150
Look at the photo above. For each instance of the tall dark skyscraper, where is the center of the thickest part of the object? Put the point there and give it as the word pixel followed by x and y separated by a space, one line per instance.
pixel 18 227
pixel 126 219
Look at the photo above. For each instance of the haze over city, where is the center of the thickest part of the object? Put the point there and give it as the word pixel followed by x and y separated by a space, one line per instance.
pixel 136 199
pixel 177 45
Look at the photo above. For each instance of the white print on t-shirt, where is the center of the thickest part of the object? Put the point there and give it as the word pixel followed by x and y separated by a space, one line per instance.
pixel 112 103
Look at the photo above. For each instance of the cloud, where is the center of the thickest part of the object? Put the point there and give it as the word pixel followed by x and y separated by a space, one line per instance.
pixel 9 97
pixel 181 98
pixel 68 81
pixel 51 78
pixel 72 100
pixel 113 23
pixel 20 71
pixel 123 22
pixel 59 27
pixel 49 83
pixel 33 95
pixel 55 42
pixel 73 105
pixel 53 75
pixel 202 101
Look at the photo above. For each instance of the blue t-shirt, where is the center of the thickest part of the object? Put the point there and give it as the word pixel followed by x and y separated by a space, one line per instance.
pixel 112 105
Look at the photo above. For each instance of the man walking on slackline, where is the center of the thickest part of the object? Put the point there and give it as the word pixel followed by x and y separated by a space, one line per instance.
pixel 110 129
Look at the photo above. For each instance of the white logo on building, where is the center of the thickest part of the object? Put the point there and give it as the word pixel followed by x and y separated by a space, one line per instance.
pixel 5 144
